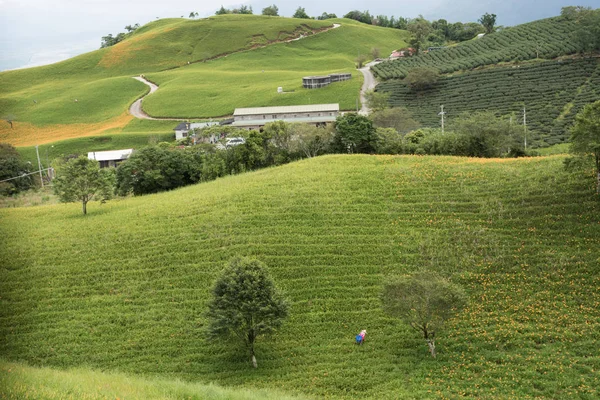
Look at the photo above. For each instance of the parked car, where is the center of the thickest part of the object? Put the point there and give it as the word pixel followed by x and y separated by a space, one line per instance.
pixel 234 141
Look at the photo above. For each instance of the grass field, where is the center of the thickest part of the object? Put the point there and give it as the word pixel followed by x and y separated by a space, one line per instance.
pixel 125 288
pixel 251 78
pixel 18 381
pixel 90 94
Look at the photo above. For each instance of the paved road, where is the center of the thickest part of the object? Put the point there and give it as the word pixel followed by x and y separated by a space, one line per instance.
pixel 368 84
pixel 136 108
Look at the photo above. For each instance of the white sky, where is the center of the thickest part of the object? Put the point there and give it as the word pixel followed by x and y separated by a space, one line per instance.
pixel 37 32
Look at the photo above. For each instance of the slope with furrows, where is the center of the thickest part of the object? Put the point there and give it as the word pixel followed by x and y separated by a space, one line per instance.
pixel 126 287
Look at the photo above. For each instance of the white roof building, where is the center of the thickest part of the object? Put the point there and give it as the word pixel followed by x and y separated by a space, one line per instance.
pixel 257 117
pixel 110 158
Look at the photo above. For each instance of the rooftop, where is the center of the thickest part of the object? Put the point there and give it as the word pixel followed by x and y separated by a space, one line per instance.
pixel 287 109
pixel 110 155
pixel 261 122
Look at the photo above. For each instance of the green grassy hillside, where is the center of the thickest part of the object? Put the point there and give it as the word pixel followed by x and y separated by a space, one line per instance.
pixel 546 38
pixel 251 78
pixel 91 93
pixel 125 288
pixel 552 92
pixel 18 381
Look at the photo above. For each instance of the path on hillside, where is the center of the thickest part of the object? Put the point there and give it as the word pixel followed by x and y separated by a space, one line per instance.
pixel 136 108
pixel 368 84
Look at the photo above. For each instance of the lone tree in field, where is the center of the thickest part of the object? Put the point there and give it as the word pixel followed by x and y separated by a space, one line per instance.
pixel 81 179
pixel 245 304
pixel 488 21
pixel 585 135
pixel 424 301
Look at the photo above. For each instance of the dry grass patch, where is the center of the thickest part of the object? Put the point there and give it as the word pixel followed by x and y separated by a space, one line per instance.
pixel 27 134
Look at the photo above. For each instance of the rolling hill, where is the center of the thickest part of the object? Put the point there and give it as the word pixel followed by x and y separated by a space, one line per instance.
pixel 91 93
pixel 126 287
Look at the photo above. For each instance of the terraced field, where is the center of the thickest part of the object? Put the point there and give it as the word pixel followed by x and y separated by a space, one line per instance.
pixel 552 92
pixel 126 287
pixel 547 39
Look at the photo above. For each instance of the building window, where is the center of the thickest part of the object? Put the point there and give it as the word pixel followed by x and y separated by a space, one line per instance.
pixel 274 116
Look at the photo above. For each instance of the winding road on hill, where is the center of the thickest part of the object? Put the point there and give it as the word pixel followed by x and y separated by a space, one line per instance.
pixel 136 108
pixel 368 84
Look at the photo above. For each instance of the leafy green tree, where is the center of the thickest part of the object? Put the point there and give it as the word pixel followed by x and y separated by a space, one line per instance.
pixel 488 21
pixel 420 29
pixel 389 141
pixel 377 101
pixel 300 13
pixel 82 179
pixel 222 11
pixel 157 168
pixel 326 16
pixel 245 304
pixel 354 134
pixel 483 134
pixel 271 10
pixel 309 139
pixel 585 135
pixel 421 78
pixel 587 30
pixel 424 301
pixel 244 9
pixel 398 118
pixel 12 166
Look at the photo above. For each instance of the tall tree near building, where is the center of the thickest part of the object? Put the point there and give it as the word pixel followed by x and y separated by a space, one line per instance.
pixel 81 179
pixel 419 28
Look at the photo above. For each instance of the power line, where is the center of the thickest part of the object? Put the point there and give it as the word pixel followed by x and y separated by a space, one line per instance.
pixel 24 175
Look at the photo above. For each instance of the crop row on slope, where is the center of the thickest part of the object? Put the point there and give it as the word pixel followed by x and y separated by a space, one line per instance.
pixel 126 287
pixel 548 38
pixel 551 92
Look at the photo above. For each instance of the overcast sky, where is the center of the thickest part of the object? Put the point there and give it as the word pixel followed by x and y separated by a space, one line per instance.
pixel 37 32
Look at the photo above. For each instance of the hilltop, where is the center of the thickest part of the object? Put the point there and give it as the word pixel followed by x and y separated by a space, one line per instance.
pixel 91 93
pixel 126 287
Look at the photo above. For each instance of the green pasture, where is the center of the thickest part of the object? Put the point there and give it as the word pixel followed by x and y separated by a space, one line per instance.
pixel 251 78
pixel 125 288
pixel 19 381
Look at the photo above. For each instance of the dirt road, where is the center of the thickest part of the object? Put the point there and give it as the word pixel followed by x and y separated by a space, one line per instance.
pixel 368 84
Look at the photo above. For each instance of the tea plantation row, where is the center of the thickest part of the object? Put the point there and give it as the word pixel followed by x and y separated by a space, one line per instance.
pixel 126 287
pixel 552 93
pixel 548 38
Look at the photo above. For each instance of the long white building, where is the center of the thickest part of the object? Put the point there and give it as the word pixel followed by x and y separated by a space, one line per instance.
pixel 257 117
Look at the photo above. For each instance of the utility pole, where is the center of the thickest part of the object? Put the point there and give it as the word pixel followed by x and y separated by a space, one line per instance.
pixel 442 113
pixel 39 165
pixel 525 126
